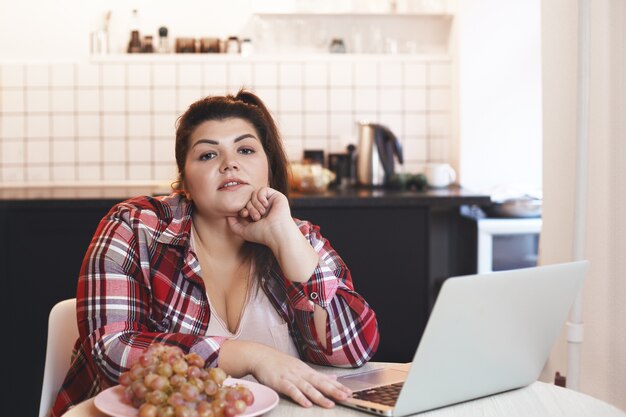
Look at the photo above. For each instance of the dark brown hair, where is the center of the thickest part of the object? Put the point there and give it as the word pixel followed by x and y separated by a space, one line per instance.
pixel 248 106
pixel 244 105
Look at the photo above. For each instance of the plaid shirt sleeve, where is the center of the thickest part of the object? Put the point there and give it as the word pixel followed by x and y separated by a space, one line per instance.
pixel 351 331
pixel 117 287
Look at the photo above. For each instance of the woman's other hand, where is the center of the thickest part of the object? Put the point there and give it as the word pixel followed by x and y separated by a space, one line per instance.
pixel 285 374
pixel 296 379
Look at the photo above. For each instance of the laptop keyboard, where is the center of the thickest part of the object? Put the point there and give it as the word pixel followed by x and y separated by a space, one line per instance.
pixel 386 394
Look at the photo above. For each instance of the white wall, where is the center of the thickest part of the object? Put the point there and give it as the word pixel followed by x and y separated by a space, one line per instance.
pixel 499 93
pixel 603 364
pixel 497 132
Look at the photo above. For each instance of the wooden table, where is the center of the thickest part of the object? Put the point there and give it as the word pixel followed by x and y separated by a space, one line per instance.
pixel 536 400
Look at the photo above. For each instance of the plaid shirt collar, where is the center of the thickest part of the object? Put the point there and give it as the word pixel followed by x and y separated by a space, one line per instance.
pixel 179 218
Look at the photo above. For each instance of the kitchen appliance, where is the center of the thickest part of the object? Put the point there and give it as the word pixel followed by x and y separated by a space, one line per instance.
pixel 507 243
pixel 377 150
pixel 314 155
pixel 503 243
pixel 339 163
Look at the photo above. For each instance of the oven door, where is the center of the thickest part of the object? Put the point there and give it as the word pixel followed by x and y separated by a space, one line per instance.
pixel 507 243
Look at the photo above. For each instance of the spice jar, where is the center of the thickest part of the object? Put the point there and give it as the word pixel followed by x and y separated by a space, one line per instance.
pixel 232 45
pixel 147 46
pixel 246 47
pixel 209 45
pixel 164 45
pixel 185 45
pixel 337 46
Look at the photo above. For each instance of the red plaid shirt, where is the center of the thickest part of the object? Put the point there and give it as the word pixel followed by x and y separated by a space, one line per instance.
pixel 139 284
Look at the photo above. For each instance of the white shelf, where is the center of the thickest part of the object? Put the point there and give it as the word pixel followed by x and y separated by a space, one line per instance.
pixel 306 57
pixel 358 15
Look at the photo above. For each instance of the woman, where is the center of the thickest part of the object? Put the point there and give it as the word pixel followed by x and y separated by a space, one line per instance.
pixel 220 268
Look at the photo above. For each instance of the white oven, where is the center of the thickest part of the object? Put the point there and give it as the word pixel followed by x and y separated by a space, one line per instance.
pixel 507 243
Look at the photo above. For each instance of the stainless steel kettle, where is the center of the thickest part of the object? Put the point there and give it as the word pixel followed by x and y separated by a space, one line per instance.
pixel 377 146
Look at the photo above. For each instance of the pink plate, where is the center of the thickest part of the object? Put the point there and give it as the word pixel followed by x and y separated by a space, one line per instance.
pixel 111 400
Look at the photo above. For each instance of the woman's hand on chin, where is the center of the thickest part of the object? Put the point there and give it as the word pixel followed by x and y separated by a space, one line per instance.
pixel 263 218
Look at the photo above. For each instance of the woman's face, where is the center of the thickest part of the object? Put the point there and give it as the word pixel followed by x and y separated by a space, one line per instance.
pixel 225 163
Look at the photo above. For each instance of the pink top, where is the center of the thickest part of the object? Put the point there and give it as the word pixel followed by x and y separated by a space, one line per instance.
pixel 260 322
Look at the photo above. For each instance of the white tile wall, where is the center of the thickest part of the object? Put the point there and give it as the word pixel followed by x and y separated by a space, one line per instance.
pixel 266 74
pixel 88 75
pixel 340 74
pixel 110 120
pixel 290 74
pixel 190 75
pixel 37 101
pixel 62 101
pixel 215 75
pixel 164 75
pixel 63 75
pixel 13 101
pixel 87 100
pixel 63 126
pixel 12 75
pixel 37 75
pixel 139 99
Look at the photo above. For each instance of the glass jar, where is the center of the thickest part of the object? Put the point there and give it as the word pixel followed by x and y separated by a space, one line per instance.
pixel 337 46
pixel 232 45
pixel 246 47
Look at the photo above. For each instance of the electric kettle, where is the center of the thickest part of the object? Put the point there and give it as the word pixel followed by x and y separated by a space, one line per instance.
pixel 377 146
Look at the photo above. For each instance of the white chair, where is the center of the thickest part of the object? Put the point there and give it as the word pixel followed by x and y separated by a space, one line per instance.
pixel 62 334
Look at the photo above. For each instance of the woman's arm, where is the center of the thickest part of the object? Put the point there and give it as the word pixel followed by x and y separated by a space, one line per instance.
pixel 118 294
pixel 335 322
pixel 351 329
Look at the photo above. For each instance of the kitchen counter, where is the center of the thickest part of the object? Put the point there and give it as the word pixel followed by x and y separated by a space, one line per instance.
pixel 352 197
pixel 375 197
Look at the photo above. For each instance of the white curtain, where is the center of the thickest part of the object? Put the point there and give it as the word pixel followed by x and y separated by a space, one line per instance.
pixel 603 364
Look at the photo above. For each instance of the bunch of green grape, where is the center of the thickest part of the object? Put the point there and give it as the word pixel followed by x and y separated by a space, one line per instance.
pixel 166 382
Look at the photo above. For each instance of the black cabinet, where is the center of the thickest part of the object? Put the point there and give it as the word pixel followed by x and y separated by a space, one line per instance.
pixel 41 250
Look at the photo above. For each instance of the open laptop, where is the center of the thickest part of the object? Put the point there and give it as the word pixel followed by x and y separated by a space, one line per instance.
pixel 486 334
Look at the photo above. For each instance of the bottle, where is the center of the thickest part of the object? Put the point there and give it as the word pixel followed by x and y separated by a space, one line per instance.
pixel 134 44
pixel 164 44
pixel 99 43
pixel 134 23
pixel 100 38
